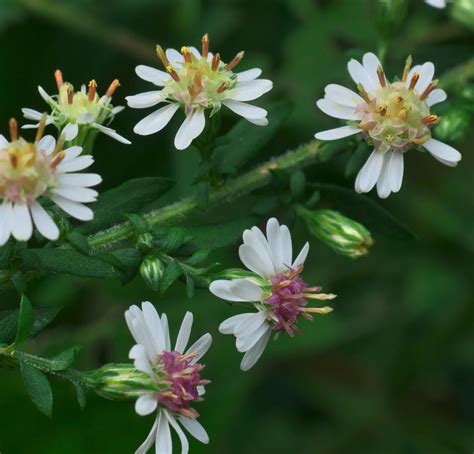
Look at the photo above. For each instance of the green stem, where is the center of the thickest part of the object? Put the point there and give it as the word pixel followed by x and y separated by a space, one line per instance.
pixel 255 179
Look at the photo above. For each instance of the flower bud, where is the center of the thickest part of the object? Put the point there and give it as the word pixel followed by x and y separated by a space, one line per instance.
pixel 122 382
pixel 144 242
pixel 454 125
pixel 462 11
pixel 344 235
pixel 151 270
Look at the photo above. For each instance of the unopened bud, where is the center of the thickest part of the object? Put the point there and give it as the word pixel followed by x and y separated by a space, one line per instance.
pixel 151 270
pixel 144 242
pixel 122 382
pixel 454 126
pixel 344 235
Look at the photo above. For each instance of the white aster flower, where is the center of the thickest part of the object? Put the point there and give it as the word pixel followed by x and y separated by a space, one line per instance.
pixel 274 288
pixel 176 370
pixel 197 82
pixel 393 116
pixel 437 3
pixel 77 113
pixel 31 171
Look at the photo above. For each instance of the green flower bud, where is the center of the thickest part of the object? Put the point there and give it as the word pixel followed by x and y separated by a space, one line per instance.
pixel 122 382
pixel 344 235
pixel 151 270
pixel 454 125
pixel 144 242
pixel 462 11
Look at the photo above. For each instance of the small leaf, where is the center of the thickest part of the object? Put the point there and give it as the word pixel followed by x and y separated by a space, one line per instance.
pixel 140 224
pixel 198 257
pixel 25 320
pixel 78 241
pixel 38 388
pixel 171 273
pixel 19 282
pixel 80 393
pixel 171 238
pixel 297 184
pixel 64 360
pixel 357 160
pixel 189 286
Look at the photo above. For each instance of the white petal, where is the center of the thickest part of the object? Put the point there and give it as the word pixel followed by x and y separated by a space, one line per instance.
pixel 166 331
pixel 31 114
pixel 286 245
pixel 426 76
pixel 300 259
pixel 145 405
pixel 179 431
pixel 342 95
pixel 156 121
pixel 85 118
pixel 150 439
pixel 254 262
pixel 436 96
pixel 47 144
pixel 191 128
pixel 72 153
pixel 153 75
pixel 117 109
pixel 77 164
pixel 76 194
pixel 184 332
pixel 195 52
pixel 3 142
pixel 245 110
pixel 144 100
pixel 257 240
pixel 252 89
pixel 194 428
pixel 74 209
pixel 80 179
pixel 360 75
pixel 238 290
pixel 275 243
pixel 250 74
pixel 174 56
pixel 371 63
pixel 5 221
pixel 337 110
pixel 254 354
pixel 384 187
pixel 46 97
pixel 396 171
pixel 442 151
pixel 70 131
pixel 155 326
pixel 249 325
pixel 228 326
pixel 337 133
pixel 22 226
pixel 200 347
pixel 437 3
pixel 246 343
pixel 258 121
pixel 43 222
pixel 111 133
pixel 369 173
pixel 163 442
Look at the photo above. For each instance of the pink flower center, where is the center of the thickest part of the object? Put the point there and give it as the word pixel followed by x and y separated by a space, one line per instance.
pixel 183 377
pixel 288 300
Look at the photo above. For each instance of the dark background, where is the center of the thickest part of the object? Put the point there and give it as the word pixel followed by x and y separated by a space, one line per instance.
pixel 390 370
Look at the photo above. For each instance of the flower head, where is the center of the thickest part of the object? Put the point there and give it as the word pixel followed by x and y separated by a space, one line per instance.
pixel 275 289
pixel 395 117
pixel 30 171
pixel 74 112
pixel 176 372
pixel 197 82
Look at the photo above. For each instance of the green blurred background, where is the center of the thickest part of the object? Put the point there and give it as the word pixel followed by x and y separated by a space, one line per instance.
pixel 391 370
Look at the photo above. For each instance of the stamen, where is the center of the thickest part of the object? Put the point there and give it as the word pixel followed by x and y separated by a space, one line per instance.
pixel 430 119
pixel 13 160
pixel 382 109
pixel 363 93
pixel 429 89
pixel 223 87
pixel 70 95
pixel 235 61
pixel 318 310
pixel 58 159
pixel 215 61
pixel 186 54
pixel 58 75
pixel 13 129
pixel 381 76
pixel 414 80
pixel 407 67
pixel 41 127
pixel 112 87
pixel 173 73
pixel 320 296
pixel 403 114
pixel 205 46
pixel 162 56
pixel 92 90
pixel 59 145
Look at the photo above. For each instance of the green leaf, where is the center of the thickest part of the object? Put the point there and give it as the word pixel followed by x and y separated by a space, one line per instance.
pixel 68 262
pixel 80 393
pixel 64 360
pixel 38 388
pixel 25 320
pixel 78 241
pixel 198 257
pixel 357 159
pixel 172 272
pixel 170 239
pixel 244 140
pixel 297 184
pixel 140 223
pixel 363 209
pixel 189 286
pixel 130 197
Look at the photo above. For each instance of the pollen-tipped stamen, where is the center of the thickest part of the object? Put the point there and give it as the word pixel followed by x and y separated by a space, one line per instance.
pixel 58 75
pixel 407 67
pixel 92 90
pixel 13 125
pixel 235 61
pixel 41 127
pixel 414 80
pixel 171 71
pixel 112 88
pixel 215 61
pixel 363 93
pixel 59 145
pixel 186 54
pixel 318 310
pixel 70 95
pixel 429 89
pixel 381 76
pixel 57 159
pixel 205 45
pixel 430 119
pixel 382 109
pixel 222 87
pixel 162 56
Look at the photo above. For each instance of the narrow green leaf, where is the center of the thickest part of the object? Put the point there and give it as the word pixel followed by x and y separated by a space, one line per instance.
pixel 25 320
pixel 198 257
pixel 65 359
pixel 68 262
pixel 130 197
pixel 171 273
pixel 189 286
pixel 80 393
pixel 38 388
pixel 170 239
